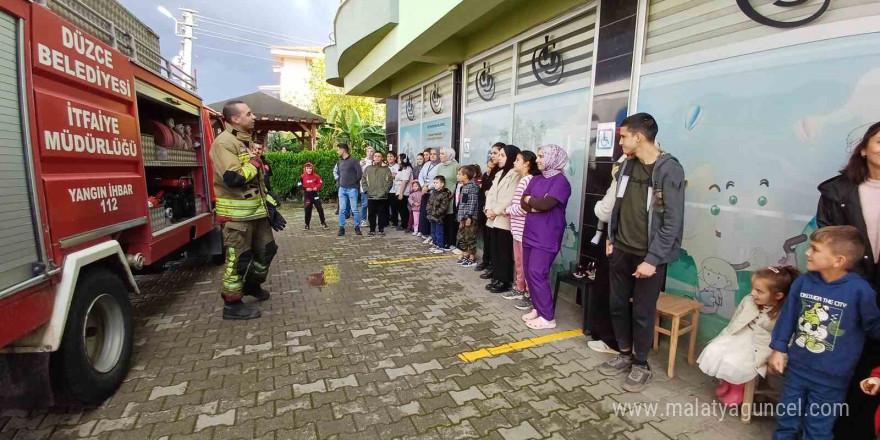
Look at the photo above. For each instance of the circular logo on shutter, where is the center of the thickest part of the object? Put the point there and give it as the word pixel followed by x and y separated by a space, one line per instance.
pixel 410 109
pixel 436 100
pixel 485 83
pixel 750 12
pixel 547 64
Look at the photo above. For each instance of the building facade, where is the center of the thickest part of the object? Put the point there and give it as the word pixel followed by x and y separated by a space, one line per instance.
pixel 760 101
pixel 293 74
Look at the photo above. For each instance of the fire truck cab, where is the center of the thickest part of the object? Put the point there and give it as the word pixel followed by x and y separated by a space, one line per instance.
pixel 103 169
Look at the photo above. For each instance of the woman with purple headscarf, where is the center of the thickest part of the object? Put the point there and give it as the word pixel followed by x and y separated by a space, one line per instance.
pixel 545 200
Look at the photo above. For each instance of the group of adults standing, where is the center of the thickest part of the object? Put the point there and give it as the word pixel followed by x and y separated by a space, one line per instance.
pixel 389 196
pixel 517 186
pixel 641 242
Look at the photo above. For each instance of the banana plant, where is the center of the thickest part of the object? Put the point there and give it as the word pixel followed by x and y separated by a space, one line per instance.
pixel 345 126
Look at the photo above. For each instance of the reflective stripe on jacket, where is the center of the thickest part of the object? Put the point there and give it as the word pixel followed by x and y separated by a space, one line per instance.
pixel 241 209
pixel 229 156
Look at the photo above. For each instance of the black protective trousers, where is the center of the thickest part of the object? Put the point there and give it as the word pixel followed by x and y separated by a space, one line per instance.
pixel 312 199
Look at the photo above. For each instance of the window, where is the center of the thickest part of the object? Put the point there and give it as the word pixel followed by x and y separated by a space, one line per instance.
pixel 426 116
pixel 546 101
pixel 562 120
pixel 483 129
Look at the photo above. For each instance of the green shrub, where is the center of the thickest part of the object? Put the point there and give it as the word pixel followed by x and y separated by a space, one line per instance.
pixel 288 167
pixel 282 139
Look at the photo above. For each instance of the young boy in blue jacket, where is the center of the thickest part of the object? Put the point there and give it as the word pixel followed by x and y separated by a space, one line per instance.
pixel 828 312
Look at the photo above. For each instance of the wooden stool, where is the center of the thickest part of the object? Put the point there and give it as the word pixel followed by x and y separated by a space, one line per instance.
pixel 748 400
pixel 677 307
pixel 753 388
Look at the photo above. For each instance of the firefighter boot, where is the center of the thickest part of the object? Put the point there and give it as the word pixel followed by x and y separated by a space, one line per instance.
pixel 241 311
pixel 254 290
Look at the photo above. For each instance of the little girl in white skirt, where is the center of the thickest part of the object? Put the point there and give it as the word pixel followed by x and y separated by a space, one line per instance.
pixel 740 352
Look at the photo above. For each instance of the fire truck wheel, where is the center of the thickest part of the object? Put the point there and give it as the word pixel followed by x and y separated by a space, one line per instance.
pixel 95 351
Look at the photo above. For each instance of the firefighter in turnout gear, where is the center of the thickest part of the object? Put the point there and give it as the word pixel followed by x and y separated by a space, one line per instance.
pixel 245 210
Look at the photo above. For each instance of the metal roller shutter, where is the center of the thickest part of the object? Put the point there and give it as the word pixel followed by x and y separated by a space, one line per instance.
pixel 18 246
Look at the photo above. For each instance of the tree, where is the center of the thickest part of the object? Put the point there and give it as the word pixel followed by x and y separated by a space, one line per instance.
pixel 345 126
pixel 326 98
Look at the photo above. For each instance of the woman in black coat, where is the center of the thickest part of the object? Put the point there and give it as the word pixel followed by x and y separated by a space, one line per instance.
pixel 841 203
pixel 485 185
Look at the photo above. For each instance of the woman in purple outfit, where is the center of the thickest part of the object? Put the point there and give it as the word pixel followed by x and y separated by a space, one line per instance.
pixel 545 200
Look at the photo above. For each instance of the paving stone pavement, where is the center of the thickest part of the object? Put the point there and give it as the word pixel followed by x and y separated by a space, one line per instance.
pixel 370 356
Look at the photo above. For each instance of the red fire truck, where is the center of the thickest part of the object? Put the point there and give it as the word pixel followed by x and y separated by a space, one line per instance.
pixel 103 169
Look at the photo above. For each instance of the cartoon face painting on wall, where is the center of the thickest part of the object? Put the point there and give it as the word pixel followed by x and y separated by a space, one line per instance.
pixel 717 217
pixel 717 286
pixel 755 140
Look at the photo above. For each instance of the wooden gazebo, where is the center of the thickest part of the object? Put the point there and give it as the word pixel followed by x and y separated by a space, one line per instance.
pixel 276 115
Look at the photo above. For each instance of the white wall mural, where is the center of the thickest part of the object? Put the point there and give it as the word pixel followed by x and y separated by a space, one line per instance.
pixel 756 134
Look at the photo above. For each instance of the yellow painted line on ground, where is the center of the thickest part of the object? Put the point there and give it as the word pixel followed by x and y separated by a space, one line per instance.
pixel 470 356
pixel 407 260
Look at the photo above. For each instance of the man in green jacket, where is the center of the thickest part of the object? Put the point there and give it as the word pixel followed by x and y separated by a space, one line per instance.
pixel 376 183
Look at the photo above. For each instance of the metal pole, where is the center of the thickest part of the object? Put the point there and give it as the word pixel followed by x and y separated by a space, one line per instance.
pixel 113 40
pixel 186 31
pixel 134 49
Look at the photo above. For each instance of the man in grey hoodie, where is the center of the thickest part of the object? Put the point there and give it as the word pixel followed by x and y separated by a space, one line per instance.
pixel 349 182
pixel 644 234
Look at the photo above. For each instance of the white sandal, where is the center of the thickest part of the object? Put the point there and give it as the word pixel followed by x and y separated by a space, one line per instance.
pixel 540 323
pixel 530 316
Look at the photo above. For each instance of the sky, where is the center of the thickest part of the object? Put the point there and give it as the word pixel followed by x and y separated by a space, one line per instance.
pixel 223 75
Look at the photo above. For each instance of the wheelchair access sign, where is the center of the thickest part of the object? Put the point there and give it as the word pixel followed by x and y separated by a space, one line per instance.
pixel 605 139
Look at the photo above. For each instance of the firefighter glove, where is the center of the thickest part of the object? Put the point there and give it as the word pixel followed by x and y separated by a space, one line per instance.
pixel 275 218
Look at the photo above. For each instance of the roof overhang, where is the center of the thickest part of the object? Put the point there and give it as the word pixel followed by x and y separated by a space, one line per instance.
pixel 424 39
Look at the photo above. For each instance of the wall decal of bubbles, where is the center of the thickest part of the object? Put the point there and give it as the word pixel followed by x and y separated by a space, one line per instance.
pixel 693 117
